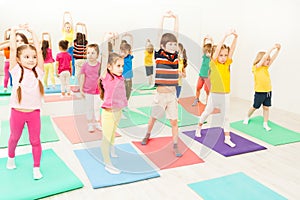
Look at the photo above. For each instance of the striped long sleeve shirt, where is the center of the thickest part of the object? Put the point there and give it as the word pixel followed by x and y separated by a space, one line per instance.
pixel 166 68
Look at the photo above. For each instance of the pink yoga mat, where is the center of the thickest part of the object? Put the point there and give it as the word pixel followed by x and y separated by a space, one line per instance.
pixel 57 98
pixel 187 104
pixel 160 151
pixel 76 130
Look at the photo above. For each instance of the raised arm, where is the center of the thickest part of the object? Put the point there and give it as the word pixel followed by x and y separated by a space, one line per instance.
pixel 13 48
pixel 208 40
pixel 66 14
pixel 36 44
pixel 268 54
pixel 233 44
pixel 126 34
pixel 46 36
pixel 168 14
pixel 104 57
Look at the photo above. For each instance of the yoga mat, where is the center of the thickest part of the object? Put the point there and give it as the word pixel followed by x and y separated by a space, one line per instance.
pixel 133 167
pixel 131 118
pixel 214 139
pixel 7 93
pixel 4 102
pixel 59 98
pixel 142 92
pixel 143 86
pixel 75 128
pixel 19 184
pixel 48 133
pixel 184 117
pixel 57 89
pixel 277 136
pixel 160 152
pixel 234 186
pixel 187 102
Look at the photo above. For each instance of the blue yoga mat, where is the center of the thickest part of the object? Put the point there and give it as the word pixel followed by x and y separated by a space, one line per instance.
pixel 133 166
pixel 234 186
pixel 19 183
pixel 51 90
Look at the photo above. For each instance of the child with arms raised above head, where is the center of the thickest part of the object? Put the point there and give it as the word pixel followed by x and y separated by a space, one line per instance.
pixel 262 83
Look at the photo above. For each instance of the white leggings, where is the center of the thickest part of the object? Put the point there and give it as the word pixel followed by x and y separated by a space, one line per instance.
pixel 220 101
pixel 93 104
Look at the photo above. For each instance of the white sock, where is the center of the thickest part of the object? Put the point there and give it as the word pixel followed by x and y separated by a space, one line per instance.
pixel 11 163
pixel 228 141
pixel 198 131
pixel 111 169
pixel 37 173
pixel 266 126
pixel 246 120
pixel 113 152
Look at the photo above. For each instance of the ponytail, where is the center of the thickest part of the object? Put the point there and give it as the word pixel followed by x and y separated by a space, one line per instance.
pixel 40 82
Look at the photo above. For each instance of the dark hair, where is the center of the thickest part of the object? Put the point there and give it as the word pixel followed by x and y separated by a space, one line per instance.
pixel 19 90
pixel 167 37
pixel 125 47
pixel 95 46
pixel 112 59
pixel 80 39
pixel 45 46
pixel 63 44
pixel 24 38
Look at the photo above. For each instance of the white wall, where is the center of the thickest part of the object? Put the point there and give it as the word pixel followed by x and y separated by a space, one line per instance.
pixel 259 24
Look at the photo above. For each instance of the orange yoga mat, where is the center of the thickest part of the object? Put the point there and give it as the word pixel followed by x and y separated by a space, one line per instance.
pixel 76 130
pixel 160 151
pixel 57 98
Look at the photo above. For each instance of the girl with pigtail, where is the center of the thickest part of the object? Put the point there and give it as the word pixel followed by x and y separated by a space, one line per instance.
pixel 26 68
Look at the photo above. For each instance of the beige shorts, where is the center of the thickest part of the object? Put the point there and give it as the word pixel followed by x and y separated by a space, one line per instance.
pixel 165 103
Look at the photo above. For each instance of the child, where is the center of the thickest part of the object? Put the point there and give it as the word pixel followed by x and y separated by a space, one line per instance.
pixel 79 50
pixel 113 94
pixel 63 66
pixel 68 34
pixel 203 79
pixel 48 59
pixel 20 39
pixel 220 85
pixel 148 61
pixel 262 83
pixel 89 86
pixel 26 68
pixel 125 50
pixel 181 67
pixel 166 80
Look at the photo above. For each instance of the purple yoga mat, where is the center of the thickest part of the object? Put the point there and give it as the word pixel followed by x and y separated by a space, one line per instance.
pixel 214 139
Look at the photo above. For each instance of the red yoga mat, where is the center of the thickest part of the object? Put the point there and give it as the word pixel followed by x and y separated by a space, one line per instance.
pixel 187 105
pixel 160 152
pixel 76 130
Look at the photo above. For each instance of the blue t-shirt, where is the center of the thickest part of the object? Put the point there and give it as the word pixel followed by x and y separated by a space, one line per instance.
pixel 127 70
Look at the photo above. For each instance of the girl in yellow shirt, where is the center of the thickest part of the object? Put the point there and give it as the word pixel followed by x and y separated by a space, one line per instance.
pixel 262 83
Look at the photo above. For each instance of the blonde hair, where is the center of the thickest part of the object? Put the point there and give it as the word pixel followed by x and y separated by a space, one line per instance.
pixel 112 59
pixel 259 56
pixel 19 89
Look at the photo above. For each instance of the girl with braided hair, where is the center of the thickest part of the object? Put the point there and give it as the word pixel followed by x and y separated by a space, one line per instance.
pixel 26 68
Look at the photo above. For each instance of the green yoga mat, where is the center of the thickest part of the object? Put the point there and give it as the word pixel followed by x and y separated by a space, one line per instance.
pixel 277 136
pixel 7 93
pixel 19 184
pixel 4 102
pixel 48 134
pixel 143 86
pixel 142 92
pixel 234 186
pixel 184 117
pixel 131 118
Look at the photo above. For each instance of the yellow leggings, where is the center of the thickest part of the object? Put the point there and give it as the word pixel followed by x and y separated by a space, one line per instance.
pixel 110 121
pixel 49 69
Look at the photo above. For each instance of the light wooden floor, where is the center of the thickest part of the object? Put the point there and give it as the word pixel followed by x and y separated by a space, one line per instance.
pixel 277 167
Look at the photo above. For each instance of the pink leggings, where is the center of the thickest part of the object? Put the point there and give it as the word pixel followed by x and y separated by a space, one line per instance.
pixel 17 122
pixel 7 74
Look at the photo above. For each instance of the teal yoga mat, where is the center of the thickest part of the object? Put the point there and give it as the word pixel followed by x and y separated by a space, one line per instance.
pixel 234 186
pixel 277 136
pixel 7 93
pixel 131 118
pixel 143 86
pixel 48 134
pixel 19 184
pixel 133 167
pixel 184 118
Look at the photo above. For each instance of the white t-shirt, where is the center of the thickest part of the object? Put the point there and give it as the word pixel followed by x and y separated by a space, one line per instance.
pixel 31 96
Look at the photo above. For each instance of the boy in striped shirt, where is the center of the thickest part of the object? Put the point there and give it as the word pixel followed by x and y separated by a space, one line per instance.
pixel 166 80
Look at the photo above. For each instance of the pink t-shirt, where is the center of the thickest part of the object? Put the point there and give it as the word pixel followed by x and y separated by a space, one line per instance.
pixel 49 57
pixel 64 59
pixel 90 85
pixel 31 96
pixel 114 92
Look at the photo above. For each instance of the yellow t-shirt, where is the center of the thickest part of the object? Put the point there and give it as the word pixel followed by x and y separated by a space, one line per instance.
pixel 68 36
pixel 180 69
pixel 148 59
pixel 262 80
pixel 220 76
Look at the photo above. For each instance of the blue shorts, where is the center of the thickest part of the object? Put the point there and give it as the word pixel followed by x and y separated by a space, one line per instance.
pixel 263 98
